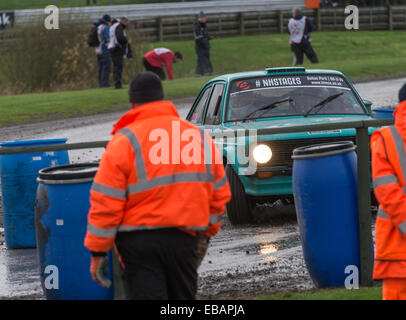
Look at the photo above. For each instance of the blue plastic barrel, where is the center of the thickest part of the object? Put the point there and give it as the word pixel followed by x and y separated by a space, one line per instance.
pixel 61 220
pixel 326 199
pixel 383 113
pixel 19 174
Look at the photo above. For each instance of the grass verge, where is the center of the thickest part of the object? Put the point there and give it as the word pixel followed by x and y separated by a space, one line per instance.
pixel 373 293
pixel 37 107
pixel 359 55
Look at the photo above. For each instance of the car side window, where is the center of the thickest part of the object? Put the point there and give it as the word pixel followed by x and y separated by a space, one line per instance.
pixel 197 115
pixel 213 113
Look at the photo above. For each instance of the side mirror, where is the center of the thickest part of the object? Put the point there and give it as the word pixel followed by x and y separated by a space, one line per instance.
pixel 368 106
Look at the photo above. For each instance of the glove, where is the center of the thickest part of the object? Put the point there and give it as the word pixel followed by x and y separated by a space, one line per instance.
pixel 202 245
pixel 98 269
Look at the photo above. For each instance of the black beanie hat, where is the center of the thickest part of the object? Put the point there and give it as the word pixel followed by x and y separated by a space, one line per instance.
pixel 402 93
pixel 106 18
pixel 146 87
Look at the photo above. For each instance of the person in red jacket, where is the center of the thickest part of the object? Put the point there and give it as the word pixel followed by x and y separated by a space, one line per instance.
pixel 160 187
pixel 154 61
pixel 388 150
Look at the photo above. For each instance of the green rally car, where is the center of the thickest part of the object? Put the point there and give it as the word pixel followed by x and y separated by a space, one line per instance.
pixel 259 167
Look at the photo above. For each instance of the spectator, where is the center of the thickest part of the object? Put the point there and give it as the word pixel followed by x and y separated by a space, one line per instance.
pixel 88 2
pixel 299 28
pixel 154 61
pixel 118 47
pixel 202 40
pixel 103 53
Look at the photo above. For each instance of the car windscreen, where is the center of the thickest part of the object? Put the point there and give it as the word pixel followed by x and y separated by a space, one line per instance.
pixel 279 96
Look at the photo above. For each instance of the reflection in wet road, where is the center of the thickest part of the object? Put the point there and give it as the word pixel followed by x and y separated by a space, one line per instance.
pixel 249 260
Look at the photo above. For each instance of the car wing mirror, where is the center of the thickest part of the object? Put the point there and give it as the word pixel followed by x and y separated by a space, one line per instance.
pixel 368 106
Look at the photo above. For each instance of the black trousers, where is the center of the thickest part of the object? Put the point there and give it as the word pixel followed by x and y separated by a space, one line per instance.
pixel 157 70
pixel 104 68
pixel 204 65
pixel 118 62
pixel 159 264
pixel 301 49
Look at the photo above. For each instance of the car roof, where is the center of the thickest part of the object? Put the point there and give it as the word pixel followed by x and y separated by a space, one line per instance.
pixel 273 71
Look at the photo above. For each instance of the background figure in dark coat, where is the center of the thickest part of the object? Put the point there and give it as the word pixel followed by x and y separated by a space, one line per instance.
pixel 202 46
pixel 299 28
pixel 103 54
pixel 118 47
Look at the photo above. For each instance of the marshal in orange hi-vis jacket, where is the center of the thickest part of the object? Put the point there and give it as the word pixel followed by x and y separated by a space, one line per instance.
pixel 161 184
pixel 131 193
pixel 389 174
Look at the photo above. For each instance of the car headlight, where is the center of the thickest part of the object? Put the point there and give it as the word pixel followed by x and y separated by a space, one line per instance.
pixel 262 153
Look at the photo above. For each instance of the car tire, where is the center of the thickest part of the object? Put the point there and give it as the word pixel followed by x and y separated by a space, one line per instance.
pixel 239 209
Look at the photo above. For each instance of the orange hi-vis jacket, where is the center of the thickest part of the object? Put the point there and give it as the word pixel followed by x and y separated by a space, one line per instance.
pixel 157 171
pixel 389 173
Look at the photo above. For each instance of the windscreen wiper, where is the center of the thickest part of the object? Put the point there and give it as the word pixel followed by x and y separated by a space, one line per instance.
pixel 323 103
pixel 269 106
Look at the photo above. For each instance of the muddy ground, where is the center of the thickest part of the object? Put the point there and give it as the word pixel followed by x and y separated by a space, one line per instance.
pixel 243 261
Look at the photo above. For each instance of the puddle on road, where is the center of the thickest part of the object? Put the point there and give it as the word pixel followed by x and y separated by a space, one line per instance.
pixel 266 248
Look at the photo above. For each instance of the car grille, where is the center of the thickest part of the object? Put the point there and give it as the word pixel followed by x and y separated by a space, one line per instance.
pixel 282 149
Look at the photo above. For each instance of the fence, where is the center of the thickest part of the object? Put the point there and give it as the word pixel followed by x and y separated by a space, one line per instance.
pixel 364 173
pixel 223 24
pixel 154 10
pixel 244 23
pixel 22 4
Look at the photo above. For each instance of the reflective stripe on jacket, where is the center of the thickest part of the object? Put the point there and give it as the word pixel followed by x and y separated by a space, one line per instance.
pixel 389 172
pixel 157 171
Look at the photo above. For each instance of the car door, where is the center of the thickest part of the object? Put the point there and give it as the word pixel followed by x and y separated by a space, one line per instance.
pixel 213 114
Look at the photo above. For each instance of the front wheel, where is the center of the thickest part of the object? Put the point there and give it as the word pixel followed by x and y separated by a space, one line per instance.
pixel 239 209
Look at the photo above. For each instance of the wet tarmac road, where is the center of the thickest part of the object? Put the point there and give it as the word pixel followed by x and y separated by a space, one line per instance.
pixel 19 275
pixel 382 93
pixel 241 261
pixel 246 261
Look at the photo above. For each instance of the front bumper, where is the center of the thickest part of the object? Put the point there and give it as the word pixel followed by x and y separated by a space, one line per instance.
pixel 260 187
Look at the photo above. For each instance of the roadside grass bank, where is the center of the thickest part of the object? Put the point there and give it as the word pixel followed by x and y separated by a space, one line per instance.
pixel 360 55
pixel 373 293
pixel 37 107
